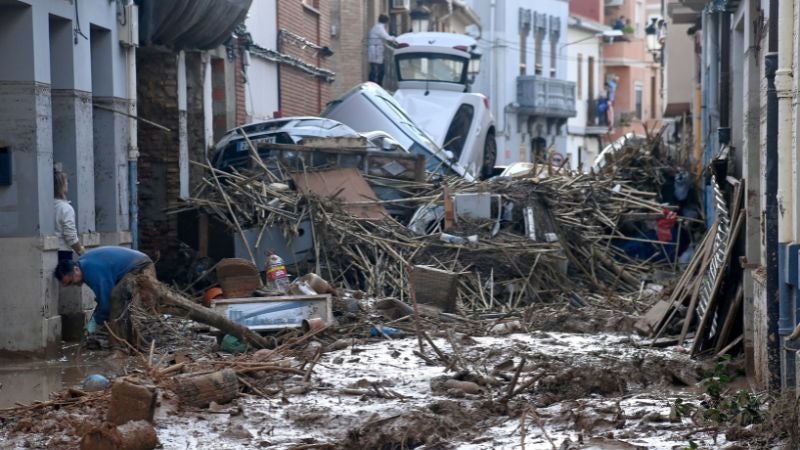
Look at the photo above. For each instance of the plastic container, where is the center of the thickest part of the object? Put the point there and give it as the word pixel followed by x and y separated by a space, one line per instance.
pixel 451 239
pixel 277 276
pixel 381 330
pixel 317 283
pixel 95 382
pixel 300 287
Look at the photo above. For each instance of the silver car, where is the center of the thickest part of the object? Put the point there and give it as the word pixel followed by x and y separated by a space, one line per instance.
pixel 368 107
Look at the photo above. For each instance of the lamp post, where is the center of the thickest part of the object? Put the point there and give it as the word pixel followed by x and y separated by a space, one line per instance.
pixel 651 40
pixel 420 18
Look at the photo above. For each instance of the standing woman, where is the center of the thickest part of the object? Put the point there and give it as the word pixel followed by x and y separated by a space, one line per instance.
pixel 65 219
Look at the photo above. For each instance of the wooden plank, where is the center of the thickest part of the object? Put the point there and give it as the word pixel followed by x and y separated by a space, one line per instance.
pixel 345 185
pixel 202 234
pixel 694 296
pixel 729 319
pixel 678 294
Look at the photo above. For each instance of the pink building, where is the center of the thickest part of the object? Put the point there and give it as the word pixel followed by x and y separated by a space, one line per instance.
pixel 633 61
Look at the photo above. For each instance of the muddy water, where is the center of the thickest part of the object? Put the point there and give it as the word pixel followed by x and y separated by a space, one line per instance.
pixel 26 381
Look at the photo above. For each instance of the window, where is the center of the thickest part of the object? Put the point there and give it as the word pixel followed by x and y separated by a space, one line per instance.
pixel 639 94
pixel 430 67
pixel 590 75
pixel 459 129
pixel 579 78
pixel 538 52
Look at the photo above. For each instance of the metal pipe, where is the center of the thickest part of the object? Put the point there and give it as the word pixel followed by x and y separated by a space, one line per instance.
pixel 499 110
pixel 783 90
pixel 771 217
pixel 133 144
pixel 784 200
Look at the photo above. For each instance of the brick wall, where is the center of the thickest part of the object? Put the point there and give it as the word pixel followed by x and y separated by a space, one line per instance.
pixel 352 19
pixel 300 92
pixel 589 9
pixel 157 92
pixel 241 104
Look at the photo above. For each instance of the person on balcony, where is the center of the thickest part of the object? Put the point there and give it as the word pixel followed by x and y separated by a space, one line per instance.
pixel 602 111
pixel 376 41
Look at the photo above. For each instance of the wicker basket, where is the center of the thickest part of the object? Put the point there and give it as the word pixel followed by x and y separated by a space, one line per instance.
pixel 435 287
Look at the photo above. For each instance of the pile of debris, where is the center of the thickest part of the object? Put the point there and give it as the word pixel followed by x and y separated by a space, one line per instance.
pixel 394 254
pixel 547 236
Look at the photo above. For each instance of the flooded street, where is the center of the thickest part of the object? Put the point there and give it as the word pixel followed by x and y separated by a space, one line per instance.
pixel 27 381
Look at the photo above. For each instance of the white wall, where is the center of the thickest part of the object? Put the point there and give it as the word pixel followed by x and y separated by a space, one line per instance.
pixel 261 90
pixel 498 78
pixel 576 126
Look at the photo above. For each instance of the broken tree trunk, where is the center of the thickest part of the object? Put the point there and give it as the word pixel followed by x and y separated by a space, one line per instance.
pixel 168 300
pixel 200 390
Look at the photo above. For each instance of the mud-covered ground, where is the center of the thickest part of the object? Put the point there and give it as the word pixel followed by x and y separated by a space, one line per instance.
pixel 538 390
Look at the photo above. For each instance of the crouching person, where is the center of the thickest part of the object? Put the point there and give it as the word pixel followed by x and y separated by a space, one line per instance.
pixel 111 273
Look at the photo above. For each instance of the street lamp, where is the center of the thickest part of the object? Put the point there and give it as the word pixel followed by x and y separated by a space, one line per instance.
pixel 474 64
pixel 420 18
pixel 651 32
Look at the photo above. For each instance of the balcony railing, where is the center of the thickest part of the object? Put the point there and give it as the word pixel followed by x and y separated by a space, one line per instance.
pixel 546 97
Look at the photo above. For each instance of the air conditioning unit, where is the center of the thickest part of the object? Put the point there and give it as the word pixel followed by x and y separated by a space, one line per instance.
pixel 401 4
pixel 614 2
pixel 129 26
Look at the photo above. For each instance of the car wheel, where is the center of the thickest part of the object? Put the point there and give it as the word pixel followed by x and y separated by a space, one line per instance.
pixel 489 156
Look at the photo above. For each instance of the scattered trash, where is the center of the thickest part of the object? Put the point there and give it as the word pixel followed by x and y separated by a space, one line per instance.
pixel 277 276
pixel 380 330
pixel 95 382
pixel 230 344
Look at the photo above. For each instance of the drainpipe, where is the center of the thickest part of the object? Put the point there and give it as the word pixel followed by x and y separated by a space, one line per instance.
pixel 499 115
pixel 771 205
pixel 133 144
pixel 787 278
pixel 183 127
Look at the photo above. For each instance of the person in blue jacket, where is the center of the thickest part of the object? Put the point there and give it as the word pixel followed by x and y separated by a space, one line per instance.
pixel 103 270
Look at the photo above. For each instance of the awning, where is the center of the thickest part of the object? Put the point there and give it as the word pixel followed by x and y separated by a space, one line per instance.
pixel 189 24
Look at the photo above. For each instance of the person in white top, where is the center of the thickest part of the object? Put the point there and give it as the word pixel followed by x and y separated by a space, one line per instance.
pixel 376 40
pixel 65 219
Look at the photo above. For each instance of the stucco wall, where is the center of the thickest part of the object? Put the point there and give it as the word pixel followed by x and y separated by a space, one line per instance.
pixel 91 144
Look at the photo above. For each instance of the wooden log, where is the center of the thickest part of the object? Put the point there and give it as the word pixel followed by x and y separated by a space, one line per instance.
pixel 136 435
pixel 200 390
pixel 131 401
pixel 178 304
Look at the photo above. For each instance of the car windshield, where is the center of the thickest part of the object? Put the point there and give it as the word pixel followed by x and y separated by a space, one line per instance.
pixel 408 122
pixel 431 67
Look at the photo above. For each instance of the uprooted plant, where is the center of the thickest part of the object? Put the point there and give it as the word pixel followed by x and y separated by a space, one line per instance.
pixel 718 406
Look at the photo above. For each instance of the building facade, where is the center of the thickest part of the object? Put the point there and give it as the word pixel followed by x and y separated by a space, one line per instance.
pixel 586 131
pixel 67 77
pixel 632 67
pixel 526 77
pixel 746 115
pixel 304 40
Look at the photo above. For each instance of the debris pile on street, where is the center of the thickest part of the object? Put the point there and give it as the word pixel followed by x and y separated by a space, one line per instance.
pixel 430 313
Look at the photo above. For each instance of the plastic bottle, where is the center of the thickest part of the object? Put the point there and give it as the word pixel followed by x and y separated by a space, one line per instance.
pixel 277 276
